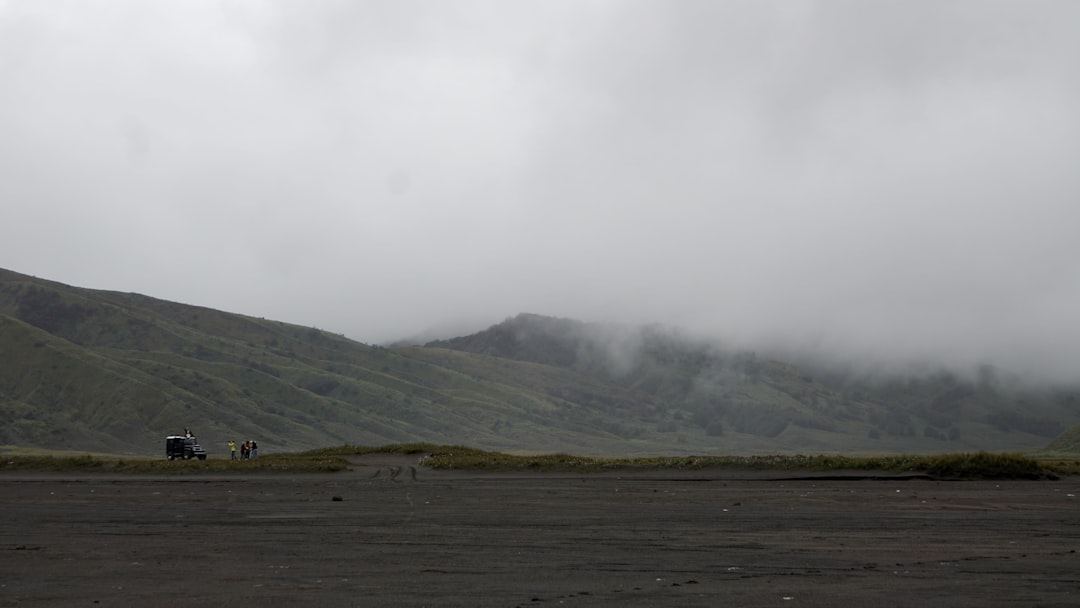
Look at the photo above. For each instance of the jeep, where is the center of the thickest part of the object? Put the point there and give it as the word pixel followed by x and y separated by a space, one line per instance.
pixel 183 447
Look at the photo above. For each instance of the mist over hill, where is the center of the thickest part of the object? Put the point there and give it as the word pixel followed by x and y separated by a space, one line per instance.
pixel 96 370
pixel 727 388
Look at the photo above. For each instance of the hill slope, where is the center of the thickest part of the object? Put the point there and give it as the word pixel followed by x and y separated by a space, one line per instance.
pixel 107 371
pixel 96 370
pixel 723 390
pixel 1068 442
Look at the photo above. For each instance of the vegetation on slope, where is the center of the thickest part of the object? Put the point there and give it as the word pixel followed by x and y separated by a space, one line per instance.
pixel 114 372
pixel 1067 442
pixel 723 391
pixel 106 371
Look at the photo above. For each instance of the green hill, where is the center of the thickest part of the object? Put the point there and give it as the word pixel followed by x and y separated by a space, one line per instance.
pixel 1069 441
pixel 736 393
pixel 103 371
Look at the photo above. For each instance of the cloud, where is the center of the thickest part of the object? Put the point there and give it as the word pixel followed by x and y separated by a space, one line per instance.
pixel 886 179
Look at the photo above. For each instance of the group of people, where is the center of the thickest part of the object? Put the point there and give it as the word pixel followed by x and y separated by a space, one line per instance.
pixel 248 449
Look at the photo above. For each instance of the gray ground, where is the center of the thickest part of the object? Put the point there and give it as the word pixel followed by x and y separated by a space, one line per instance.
pixel 402 535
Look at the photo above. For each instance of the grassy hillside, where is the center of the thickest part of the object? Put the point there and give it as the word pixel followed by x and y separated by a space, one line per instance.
pixel 738 395
pixel 1068 442
pixel 102 371
pixel 115 372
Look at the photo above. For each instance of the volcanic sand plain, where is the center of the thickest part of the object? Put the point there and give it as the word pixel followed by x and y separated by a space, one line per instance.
pixel 390 532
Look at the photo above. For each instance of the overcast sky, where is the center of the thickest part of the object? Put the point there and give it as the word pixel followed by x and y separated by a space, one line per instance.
pixel 882 179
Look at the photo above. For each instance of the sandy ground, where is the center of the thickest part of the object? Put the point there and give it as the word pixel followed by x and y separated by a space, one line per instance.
pixel 391 533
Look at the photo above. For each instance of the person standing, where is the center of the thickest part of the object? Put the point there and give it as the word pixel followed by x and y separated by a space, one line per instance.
pixel 254 449
pixel 232 450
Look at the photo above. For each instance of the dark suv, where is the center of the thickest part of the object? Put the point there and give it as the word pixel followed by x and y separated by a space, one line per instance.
pixel 183 447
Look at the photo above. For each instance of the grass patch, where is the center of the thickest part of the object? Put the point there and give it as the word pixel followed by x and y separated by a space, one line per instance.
pixel 271 463
pixel 395 448
pixel 1062 466
pixel 979 465
pixel 973 465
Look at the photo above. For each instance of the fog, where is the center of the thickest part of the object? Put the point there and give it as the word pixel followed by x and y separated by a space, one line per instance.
pixel 879 181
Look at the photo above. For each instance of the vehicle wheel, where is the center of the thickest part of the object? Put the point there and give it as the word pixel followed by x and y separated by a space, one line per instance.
pixel 202 456
pixel 187 456
pixel 171 457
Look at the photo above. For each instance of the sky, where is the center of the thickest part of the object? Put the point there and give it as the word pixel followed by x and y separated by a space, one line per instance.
pixel 877 180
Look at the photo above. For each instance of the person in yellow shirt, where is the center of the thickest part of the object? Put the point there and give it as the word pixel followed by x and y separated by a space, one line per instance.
pixel 232 449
